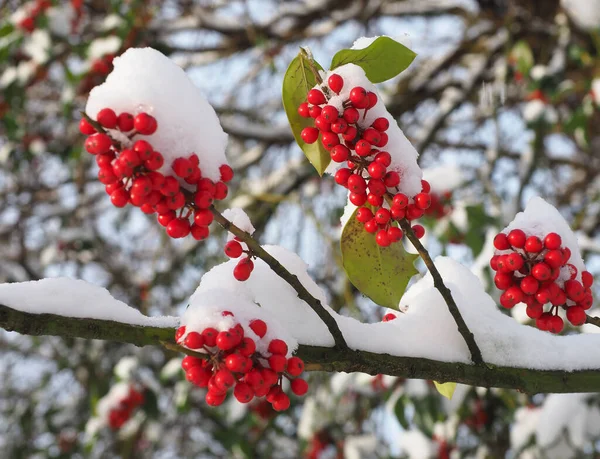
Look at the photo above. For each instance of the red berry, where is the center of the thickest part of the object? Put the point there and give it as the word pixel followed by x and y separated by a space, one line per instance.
pixel 423 200
pixel 587 279
pixel 179 333
pixel 541 271
pixel 145 124
pixel 511 297
pixel 322 124
pixel 299 386
pixel 106 175
pixel 340 126
pixel 342 176
pixel 340 153
pixel 358 199
pixel 329 113
pixel 281 402
pixel 400 200
pixel 203 217
pixel 243 392
pixel 233 249
pixel 376 170
pixel 175 202
pixel 391 179
pixel 529 285
pixel 363 148
pixel 372 99
pixel 119 197
pixel 517 238
pixel 552 241
pixel 315 97
pixel 277 363
pixel 381 124
pixel 141 186
pixel 383 158
pixel 309 134
pixel 554 258
pixel 107 118
pixel 247 347
pixel 203 199
pixel 314 111
pixel 155 162
pixel 178 228
pixel 357 184
pixel 382 216
pixel 394 234
pixel 425 186
pixel 259 327
pixel 194 340
pixel 382 238
pixel 85 127
pixel 371 226
pixel 226 173
pixel 576 315
pixel 373 136
pixel 514 261
pixel 303 110
pixel 329 140
pixel 419 231
pixel 377 187
pixel 125 122
pixel 555 323
pixel 278 346
pixel 143 149
pixel 533 244
pixel 389 317
pixel 375 200
pixel 243 269
pixel 503 280
pixel 335 82
pixel 98 144
pixel 295 366
pixel 189 362
pixel 358 97
pixel 534 310
pixel 227 340
pixel 364 214
pixel 182 167
pixel 198 375
pixel 165 218
pixel 574 290
pixel 214 398
pixel 351 115
pixel 199 232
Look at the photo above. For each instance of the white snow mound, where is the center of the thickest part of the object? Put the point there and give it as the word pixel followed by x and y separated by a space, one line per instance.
pixel 144 80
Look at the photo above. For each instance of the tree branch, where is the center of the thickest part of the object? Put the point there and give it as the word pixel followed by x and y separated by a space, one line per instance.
pixel 287 276
pixel 318 358
pixel 592 320
pixel 438 283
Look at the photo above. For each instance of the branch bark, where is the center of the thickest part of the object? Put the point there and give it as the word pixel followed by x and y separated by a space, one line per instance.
pixel 318 358
pixel 287 276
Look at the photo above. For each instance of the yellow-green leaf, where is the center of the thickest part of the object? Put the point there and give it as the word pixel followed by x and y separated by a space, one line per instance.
pixel 381 60
pixel 381 273
pixel 298 80
pixel 446 389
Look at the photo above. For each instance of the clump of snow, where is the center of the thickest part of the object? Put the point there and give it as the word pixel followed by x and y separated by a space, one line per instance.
pixel 416 445
pixel 596 90
pixel 540 218
pixel 206 310
pixel 37 46
pixel 443 178
pixel 145 80
pixel 125 367
pixel 526 420
pixel 365 42
pixel 117 393
pixel 584 13
pixel 240 219
pixel 75 298
pixel 60 19
pixel 404 156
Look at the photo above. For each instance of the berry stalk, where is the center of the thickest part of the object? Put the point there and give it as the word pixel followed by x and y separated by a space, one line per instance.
pixel 287 276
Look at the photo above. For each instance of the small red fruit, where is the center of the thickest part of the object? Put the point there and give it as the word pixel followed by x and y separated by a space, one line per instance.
pixel 278 346
pixel 517 238
pixel 335 82
pixel 299 386
pixel 243 269
pixel 315 97
pixel 233 249
pixel 552 241
pixel 107 118
pixel 259 327
pixel 309 134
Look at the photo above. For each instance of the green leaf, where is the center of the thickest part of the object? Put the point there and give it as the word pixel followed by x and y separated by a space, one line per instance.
pixel 298 80
pixel 399 410
pixel 381 60
pixel 381 273
pixel 446 389
pixel 523 56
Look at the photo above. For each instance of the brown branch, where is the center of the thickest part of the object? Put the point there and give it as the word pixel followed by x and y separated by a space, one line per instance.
pixel 318 358
pixel 287 276
pixel 592 320
pixel 438 283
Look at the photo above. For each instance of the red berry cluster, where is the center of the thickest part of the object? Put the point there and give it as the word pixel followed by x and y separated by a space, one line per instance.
pixel 234 249
pixel 528 272
pixel 234 362
pixel 366 176
pixel 131 175
pixel 120 414
pixel 440 205
pixel 37 9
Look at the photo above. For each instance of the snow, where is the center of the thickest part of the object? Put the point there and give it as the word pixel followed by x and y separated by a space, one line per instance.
pixel 596 90
pixel 404 156
pixel 75 298
pixel 416 445
pixel 584 13
pixel 240 219
pixel 60 19
pixel 186 121
pixel 206 308
pixel 112 399
pixel 443 178
pixel 37 46
pixel 125 367
pixel 102 46
pixel 533 110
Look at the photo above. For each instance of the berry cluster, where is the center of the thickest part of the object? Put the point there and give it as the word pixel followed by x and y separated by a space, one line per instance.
pixel 234 362
pixel 129 170
pixel 537 272
pixel 361 147
pixel 440 205
pixel 121 413
pixel 37 9
pixel 234 249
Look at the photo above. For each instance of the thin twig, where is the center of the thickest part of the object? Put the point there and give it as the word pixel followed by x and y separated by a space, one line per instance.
pixel 438 283
pixel 287 276
pixel 592 320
